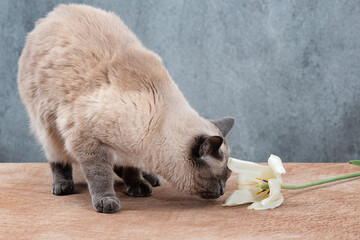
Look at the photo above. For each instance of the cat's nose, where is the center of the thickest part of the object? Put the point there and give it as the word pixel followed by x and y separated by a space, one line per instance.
pixel 222 187
pixel 221 191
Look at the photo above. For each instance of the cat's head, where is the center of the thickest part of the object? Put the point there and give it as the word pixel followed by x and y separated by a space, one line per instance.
pixel 209 156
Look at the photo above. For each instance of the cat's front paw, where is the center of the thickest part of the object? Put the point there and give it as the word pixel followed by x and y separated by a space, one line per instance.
pixel 152 179
pixel 106 204
pixel 139 189
pixel 63 188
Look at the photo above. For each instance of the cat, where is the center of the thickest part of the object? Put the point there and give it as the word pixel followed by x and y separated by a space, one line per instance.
pixel 96 96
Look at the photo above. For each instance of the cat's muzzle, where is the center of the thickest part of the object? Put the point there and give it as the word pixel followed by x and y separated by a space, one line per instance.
pixel 213 195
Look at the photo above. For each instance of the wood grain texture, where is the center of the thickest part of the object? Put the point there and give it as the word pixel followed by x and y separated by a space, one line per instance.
pixel 29 211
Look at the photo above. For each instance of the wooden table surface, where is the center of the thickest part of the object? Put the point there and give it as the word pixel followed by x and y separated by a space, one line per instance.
pixel 29 211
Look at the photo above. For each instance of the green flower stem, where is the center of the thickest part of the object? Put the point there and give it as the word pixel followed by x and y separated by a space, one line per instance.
pixel 355 162
pixel 352 175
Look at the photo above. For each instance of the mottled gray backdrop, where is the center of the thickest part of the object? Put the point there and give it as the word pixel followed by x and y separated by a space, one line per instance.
pixel 288 71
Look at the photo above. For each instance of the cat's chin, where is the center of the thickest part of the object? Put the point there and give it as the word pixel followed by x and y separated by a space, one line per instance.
pixel 209 195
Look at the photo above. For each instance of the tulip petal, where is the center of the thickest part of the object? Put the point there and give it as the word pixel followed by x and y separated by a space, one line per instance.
pixel 249 171
pixel 245 180
pixel 269 205
pixel 275 191
pixel 239 197
pixel 274 200
pixel 276 165
pixel 241 166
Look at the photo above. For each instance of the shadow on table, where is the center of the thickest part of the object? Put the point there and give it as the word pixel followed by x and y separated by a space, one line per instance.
pixel 163 198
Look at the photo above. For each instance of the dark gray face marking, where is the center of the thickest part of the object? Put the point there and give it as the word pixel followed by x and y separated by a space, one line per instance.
pixel 210 186
pixel 206 146
pixel 207 184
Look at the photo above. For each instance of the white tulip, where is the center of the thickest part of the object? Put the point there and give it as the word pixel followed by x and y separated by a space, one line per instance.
pixel 257 184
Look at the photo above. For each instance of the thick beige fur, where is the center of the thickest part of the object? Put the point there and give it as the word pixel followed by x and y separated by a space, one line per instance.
pixel 86 80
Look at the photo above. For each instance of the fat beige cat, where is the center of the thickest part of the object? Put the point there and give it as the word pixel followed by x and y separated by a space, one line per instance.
pixel 96 96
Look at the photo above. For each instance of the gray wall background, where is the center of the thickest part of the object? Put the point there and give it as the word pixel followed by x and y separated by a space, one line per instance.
pixel 288 71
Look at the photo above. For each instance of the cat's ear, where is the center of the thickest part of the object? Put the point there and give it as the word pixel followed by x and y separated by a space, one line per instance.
pixel 224 124
pixel 211 147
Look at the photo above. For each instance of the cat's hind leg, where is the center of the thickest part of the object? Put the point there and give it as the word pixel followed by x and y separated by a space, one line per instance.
pixel 136 182
pixel 60 164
